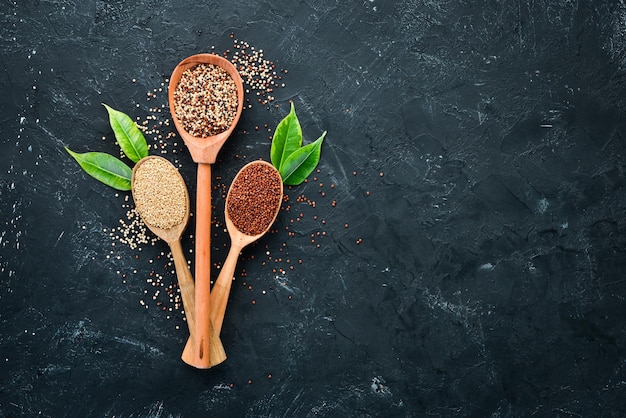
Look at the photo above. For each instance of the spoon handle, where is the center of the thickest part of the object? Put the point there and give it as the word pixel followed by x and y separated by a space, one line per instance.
pixel 186 285
pixel 187 291
pixel 203 268
pixel 221 288
pixel 219 300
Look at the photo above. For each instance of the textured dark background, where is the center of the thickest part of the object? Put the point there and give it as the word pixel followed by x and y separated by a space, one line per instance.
pixel 482 274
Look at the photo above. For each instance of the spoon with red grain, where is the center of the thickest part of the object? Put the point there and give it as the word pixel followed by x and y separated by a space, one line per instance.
pixel 252 205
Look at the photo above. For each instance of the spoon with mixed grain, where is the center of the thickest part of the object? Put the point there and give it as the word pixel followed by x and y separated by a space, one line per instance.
pixel 162 200
pixel 206 100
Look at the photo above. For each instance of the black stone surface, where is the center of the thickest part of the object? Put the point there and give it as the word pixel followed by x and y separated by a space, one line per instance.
pixel 482 269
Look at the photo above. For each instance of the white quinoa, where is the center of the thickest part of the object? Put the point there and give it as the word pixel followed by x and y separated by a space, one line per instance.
pixel 160 193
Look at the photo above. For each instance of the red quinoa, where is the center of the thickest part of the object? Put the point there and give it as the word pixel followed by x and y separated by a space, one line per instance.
pixel 254 197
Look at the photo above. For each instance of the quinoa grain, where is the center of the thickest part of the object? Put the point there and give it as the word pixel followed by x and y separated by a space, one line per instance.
pixel 160 193
pixel 205 100
pixel 253 198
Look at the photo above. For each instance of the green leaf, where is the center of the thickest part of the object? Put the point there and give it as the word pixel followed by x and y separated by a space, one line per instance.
pixel 128 135
pixel 301 163
pixel 105 168
pixel 287 139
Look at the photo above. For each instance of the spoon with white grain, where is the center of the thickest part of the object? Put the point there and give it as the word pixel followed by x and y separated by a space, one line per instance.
pixel 162 200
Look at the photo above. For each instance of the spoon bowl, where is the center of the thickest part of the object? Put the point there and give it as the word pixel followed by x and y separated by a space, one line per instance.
pixel 204 152
pixel 172 235
pixel 175 232
pixel 204 149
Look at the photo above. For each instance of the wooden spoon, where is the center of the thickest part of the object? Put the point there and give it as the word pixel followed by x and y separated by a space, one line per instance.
pixel 239 239
pixel 204 152
pixel 172 236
